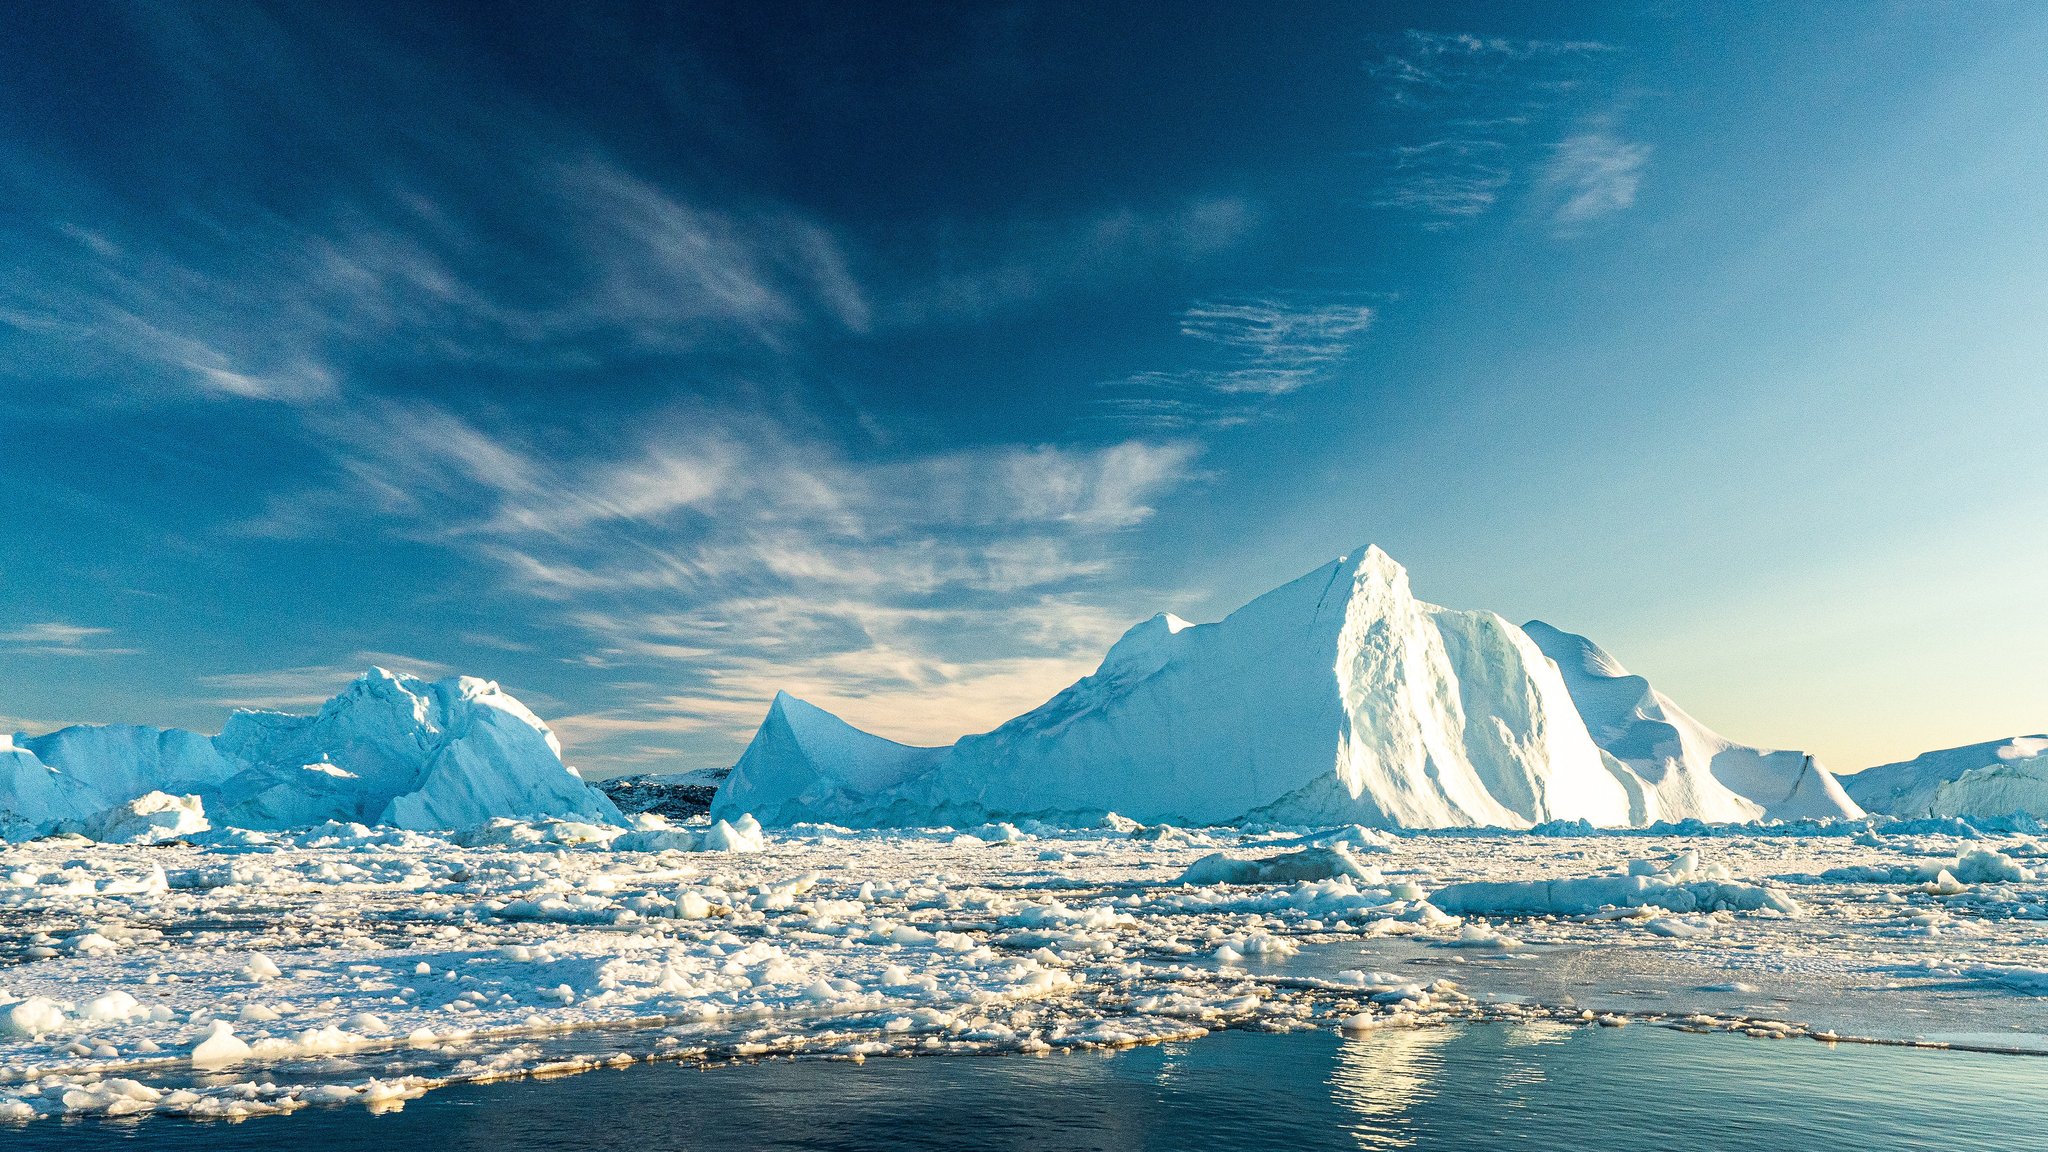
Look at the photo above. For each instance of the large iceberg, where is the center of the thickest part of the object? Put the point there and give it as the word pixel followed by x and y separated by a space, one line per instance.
pixel 1995 778
pixel 390 749
pixel 1690 771
pixel 1336 699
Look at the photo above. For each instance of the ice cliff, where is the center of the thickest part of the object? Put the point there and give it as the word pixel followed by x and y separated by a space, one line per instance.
pixel 1689 770
pixel 1338 698
pixel 390 749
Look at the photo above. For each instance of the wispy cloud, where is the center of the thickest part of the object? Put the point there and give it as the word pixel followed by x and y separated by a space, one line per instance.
pixel 54 638
pixel 283 310
pixel 1257 349
pixel 1593 174
pixel 719 559
pixel 1282 345
pixel 448 478
pixel 1448 179
pixel 492 230
pixel 997 267
pixel 1478 109
pixel 9 725
pixel 659 263
pixel 896 680
pixel 1426 68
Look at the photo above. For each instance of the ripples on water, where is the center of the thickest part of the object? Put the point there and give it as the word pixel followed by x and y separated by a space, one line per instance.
pixel 1483 1087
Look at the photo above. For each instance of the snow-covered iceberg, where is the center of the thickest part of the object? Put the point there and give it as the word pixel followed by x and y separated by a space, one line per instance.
pixel 1338 698
pixel 1689 770
pixel 1995 778
pixel 390 749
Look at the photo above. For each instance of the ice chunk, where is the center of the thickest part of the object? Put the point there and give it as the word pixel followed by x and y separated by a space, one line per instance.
pixel 1583 895
pixel 147 819
pixel 741 835
pixel 1308 864
pixel 113 1007
pixel 32 1017
pixel 219 1047
pixel 1988 866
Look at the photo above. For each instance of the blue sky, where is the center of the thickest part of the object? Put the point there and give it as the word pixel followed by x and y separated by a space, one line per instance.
pixel 648 362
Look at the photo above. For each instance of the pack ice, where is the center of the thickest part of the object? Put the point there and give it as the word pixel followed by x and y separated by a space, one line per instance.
pixel 1995 778
pixel 1338 698
pixel 390 749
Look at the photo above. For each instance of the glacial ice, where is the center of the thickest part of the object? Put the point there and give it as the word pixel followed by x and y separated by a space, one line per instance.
pixel 146 819
pixel 390 749
pixel 1338 698
pixel 1995 778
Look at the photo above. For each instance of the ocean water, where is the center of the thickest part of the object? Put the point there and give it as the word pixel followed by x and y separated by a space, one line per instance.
pixel 1546 1086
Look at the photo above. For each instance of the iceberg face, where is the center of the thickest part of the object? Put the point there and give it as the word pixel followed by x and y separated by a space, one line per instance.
pixel 390 749
pixel 805 761
pixel 128 761
pixel 34 797
pixel 495 759
pixel 1995 778
pixel 1338 698
pixel 1688 770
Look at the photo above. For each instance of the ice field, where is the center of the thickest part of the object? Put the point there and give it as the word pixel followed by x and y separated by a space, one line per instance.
pixel 260 973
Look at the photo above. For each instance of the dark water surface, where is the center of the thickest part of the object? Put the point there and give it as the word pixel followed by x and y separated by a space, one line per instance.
pixel 1482 1087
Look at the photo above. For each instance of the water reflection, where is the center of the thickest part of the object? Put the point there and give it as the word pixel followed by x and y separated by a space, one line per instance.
pixel 1381 1075
pixel 1476 1089
pixel 1530 1033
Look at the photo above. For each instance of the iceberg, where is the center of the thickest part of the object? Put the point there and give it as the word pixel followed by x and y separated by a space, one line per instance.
pixel 390 749
pixel 1339 698
pixel 1690 771
pixel 147 819
pixel 1995 778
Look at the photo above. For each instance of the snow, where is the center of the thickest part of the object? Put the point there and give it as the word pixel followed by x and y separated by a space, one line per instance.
pixel 1995 778
pixel 345 965
pixel 1337 698
pixel 390 749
